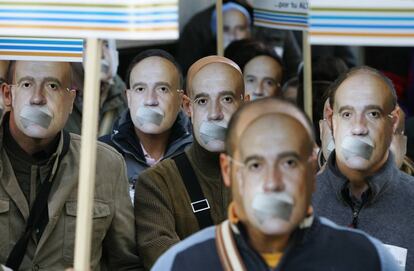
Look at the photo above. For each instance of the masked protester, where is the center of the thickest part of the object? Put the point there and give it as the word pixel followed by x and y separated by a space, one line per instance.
pixel 182 195
pixel 154 127
pixel 262 68
pixel 270 224
pixel 112 101
pixel 361 186
pixel 39 179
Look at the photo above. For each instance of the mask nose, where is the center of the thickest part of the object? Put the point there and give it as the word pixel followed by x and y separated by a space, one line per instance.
pixel 38 96
pixel 215 112
pixel 151 99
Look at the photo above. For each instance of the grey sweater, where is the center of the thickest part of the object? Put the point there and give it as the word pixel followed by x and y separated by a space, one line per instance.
pixel 387 214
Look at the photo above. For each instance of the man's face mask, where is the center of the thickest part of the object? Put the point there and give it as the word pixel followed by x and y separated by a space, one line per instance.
pixel 154 99
pixel 362 122
pixel 216 99
pixel 273 179
pixel 40 102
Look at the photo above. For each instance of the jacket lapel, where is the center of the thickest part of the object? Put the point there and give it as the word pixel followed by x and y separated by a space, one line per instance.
pixel 9 182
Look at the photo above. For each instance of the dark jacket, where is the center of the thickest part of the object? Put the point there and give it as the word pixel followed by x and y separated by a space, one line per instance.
pixel 125 141
pixel 322 246
pixel 163 209
pixel 387 211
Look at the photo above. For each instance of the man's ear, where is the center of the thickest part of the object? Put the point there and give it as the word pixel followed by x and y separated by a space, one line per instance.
pixel 7 94
pixel 225 169
pixel 187 106
pixel 328 113
pixel 395 118
pixel 128 97
pixel 72 93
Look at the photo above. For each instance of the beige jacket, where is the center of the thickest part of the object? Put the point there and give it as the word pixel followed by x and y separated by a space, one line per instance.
pixel 113 234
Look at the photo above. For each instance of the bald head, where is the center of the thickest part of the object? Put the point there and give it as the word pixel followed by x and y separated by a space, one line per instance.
pixel 291 130
pixel 249 112
pixel 363 73
pixel 212 66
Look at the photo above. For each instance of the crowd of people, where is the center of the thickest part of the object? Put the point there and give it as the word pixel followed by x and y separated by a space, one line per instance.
pixel 209 162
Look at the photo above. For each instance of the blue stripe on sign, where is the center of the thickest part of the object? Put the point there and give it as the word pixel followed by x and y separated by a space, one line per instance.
pixel 46 42
pixel 80 12
pixel 373 26
pixel 280 20
pixel 86 20
pixel 35 48
pixel 279 15
pixel 323 17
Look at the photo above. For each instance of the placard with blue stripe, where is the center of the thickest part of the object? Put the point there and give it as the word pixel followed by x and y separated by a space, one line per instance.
pixel 281 14
pixel 41 49
pixel 114 19
pixel 368 22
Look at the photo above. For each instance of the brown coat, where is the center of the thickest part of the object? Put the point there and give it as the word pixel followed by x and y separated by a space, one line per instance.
pixel 113 234
pixel 163 213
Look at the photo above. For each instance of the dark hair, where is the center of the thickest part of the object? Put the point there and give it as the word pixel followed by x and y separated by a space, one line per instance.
pixel 242 51
pixel 149 53
pixel 335 85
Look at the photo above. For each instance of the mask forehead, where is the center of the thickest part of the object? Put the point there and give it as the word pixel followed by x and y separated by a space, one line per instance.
pixel 155 69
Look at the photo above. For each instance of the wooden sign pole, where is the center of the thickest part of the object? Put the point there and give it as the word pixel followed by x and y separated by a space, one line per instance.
pixel 88 155
pixel 219 13
pixel 307 74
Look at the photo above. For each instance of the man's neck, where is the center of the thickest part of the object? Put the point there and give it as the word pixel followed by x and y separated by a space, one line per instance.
pixel 154 144
pixel 358 178
pixel 266 243
pixel 28 144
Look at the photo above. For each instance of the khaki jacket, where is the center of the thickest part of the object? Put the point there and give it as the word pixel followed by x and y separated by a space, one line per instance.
pixel 113 233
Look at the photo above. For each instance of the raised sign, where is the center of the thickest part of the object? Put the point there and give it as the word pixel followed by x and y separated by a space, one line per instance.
pixel 41 49
pixel 114 19
pixel 281 14
pixel 362 22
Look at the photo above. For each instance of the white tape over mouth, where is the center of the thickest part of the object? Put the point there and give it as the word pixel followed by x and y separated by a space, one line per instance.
pixel 149 115
pixel 357 146
pixel 211 131
pixel 35 115
pixel 273 205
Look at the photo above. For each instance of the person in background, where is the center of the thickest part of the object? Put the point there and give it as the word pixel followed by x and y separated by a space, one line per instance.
pixel 154 127
pixel 262 68
pixel 112 100
pixel 184 194
pixel 197 40
pixel 271 225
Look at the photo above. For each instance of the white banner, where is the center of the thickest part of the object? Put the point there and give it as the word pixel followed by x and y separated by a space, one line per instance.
pixel 281 14
pixel 367 22
pixel 112 19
